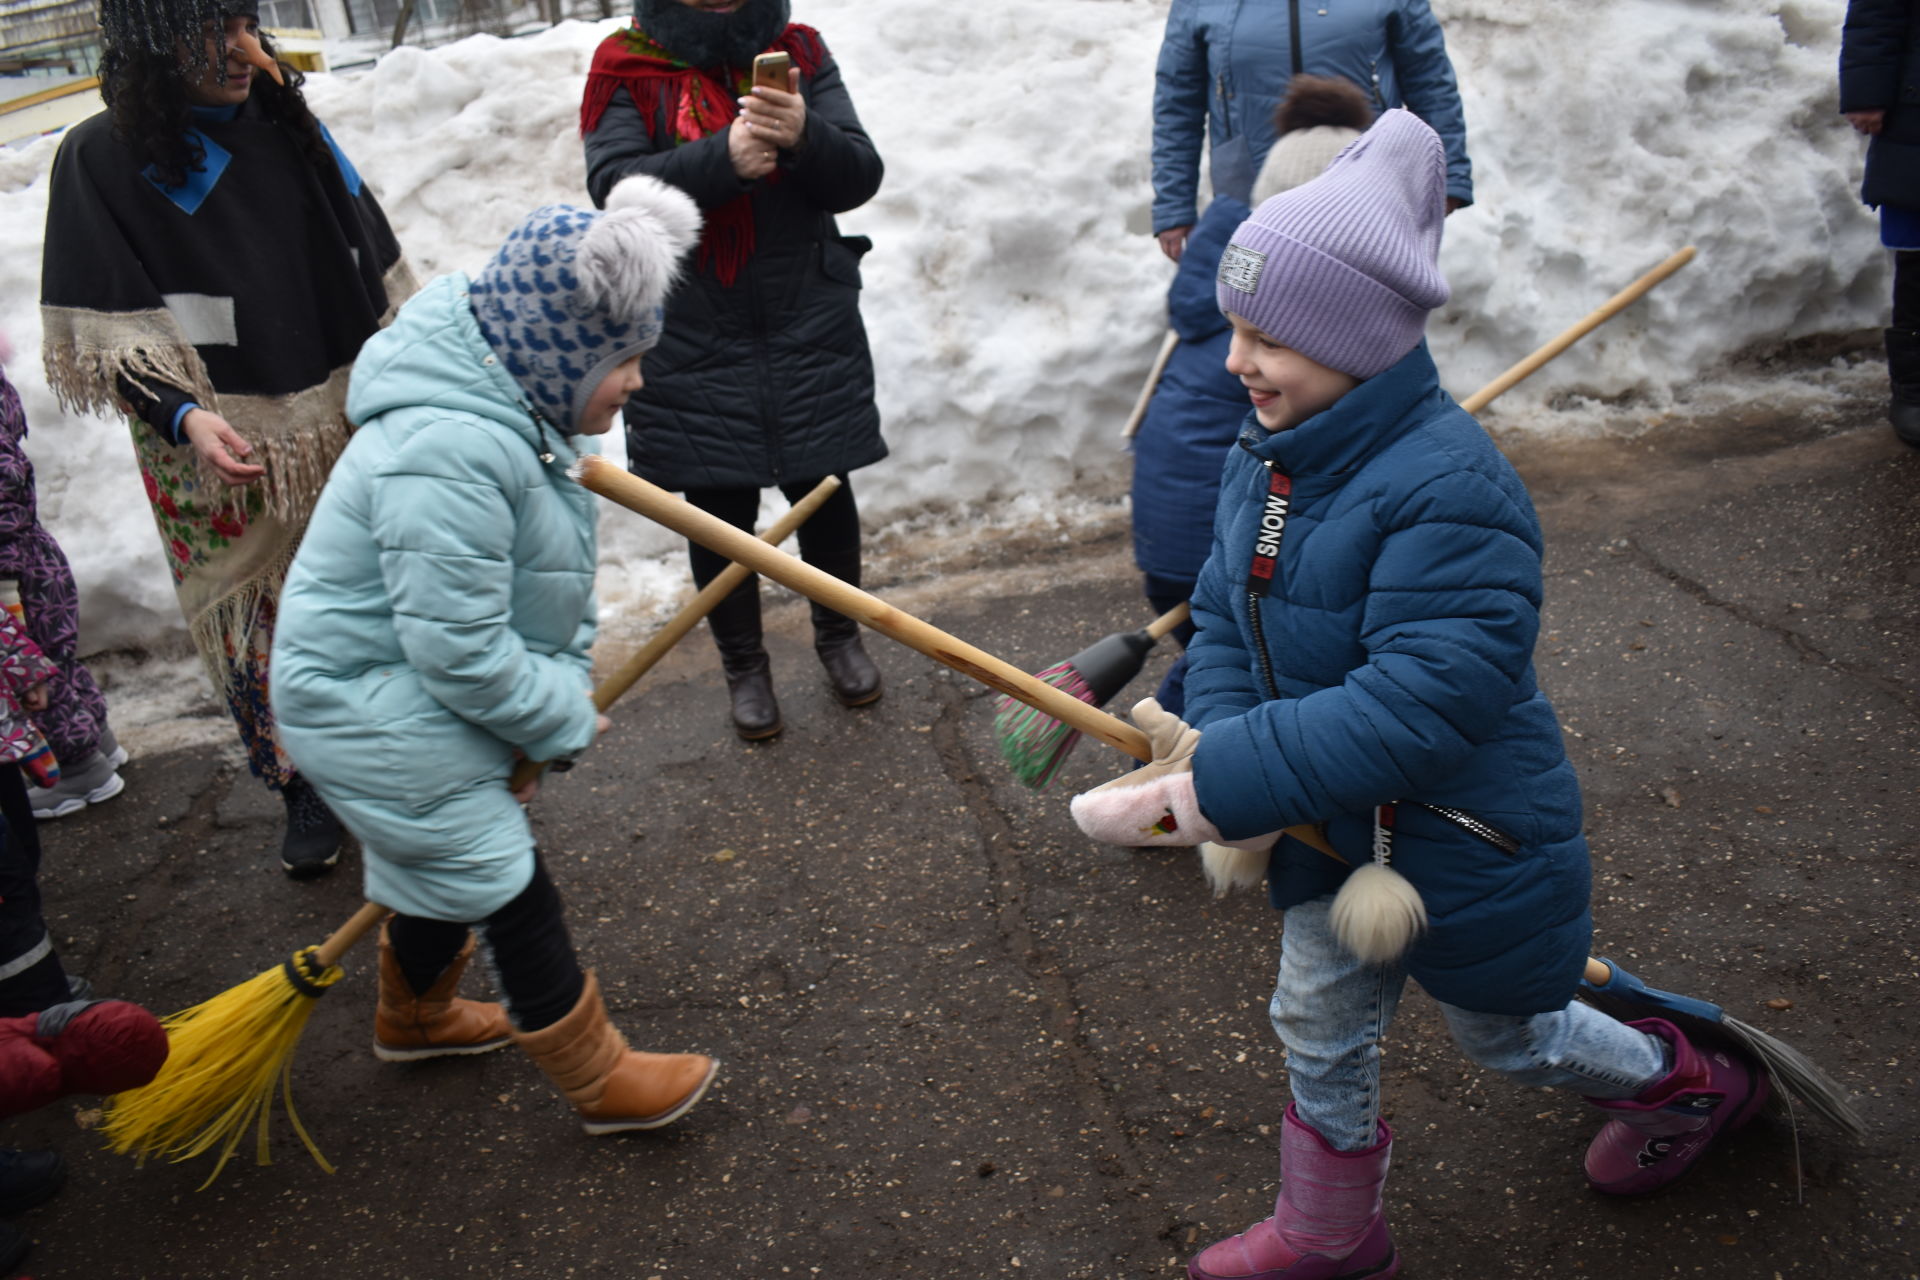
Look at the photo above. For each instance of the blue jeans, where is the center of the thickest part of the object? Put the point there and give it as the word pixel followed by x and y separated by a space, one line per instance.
pixel 1330 1010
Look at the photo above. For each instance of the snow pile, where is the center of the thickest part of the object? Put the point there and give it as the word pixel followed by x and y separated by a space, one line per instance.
pixel 1013 297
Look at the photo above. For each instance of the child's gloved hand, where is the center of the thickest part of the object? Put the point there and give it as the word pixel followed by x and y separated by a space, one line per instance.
pixel 1153 805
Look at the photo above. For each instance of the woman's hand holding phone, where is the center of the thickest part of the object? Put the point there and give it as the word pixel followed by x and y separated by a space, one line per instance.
pixel 776 117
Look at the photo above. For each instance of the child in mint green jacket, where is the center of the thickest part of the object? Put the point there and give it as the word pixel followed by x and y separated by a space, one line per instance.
pixel 434 630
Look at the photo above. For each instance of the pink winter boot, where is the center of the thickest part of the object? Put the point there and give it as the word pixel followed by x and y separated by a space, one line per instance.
pixel 1326 1224
pixel 1658 1136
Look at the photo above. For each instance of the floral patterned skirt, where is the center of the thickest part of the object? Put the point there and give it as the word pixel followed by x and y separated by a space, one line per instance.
pixel 229 556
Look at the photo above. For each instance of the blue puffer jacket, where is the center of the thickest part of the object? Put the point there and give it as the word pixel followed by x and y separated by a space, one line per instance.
pixel 1194 416
pixel 1225 65
pixel 438 616
pixel 1398 634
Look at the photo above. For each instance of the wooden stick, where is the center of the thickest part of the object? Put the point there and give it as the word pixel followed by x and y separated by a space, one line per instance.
pixel 687 619
pixel 329 952
pixel 619 485
pixel 1167 621
pixel 1139 413
pixel 1599 316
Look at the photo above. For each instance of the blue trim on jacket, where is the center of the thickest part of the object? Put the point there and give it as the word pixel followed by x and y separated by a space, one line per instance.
pixel 1399 630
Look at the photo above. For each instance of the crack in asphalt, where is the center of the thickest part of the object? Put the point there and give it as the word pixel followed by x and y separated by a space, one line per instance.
pixel 1007 882
pixel 1794 640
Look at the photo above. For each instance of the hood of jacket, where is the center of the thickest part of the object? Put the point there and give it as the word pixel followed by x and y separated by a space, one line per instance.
pixel 434 355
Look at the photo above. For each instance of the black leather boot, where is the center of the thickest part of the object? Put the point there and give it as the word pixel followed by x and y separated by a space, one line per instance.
pixel 836 637
pixel 850 672
pixel 735 624
pixel 1903 372
pixel 314 835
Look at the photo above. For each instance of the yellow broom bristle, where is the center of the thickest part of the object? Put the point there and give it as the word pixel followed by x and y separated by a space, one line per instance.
pixel 225 1057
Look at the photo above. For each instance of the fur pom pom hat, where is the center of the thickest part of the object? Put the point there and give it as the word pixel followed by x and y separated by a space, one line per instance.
pixel 1344 269
pixel 574 292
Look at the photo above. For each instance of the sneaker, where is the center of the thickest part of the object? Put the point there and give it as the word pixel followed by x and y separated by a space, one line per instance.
pixel 28 1178
pixel 1658 1136
pixel 312 844
pixel 88 782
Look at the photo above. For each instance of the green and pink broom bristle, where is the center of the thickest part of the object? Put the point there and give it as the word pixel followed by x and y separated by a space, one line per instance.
pixel 1032 742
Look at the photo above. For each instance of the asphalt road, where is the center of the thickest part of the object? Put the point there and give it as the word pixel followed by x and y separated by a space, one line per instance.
pixel 962 1041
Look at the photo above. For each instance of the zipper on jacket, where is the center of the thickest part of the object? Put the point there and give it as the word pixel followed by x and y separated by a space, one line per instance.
pixel 763 385
pixel 1373 74
pixel 1474 826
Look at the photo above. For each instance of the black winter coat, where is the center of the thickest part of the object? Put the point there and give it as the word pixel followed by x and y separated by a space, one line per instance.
pixel 1880 70
pixel 768 381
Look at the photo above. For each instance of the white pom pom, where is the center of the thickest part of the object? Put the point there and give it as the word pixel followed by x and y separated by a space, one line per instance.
pixel 629 259
pixel 1229 868
pixel 1377 914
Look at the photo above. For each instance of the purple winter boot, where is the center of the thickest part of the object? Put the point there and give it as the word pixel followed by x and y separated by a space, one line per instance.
pixel 1658 1136
pixel 1326 1223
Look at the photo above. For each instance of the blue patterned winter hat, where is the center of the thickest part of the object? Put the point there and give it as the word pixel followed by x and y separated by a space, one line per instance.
pixel 574 292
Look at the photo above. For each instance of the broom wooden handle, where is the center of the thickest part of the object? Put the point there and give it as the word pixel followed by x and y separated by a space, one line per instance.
pixel 329 952
pixel 1166 622
pixel 1599 316
pixel 643 659
pixel 1139 413
pixel 628 490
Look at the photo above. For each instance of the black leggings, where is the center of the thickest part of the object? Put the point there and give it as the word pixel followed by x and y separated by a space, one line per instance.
pixel 829 540
pixel 527 947
pixel 1906 289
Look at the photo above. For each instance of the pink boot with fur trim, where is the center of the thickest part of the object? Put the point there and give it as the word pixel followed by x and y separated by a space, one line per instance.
pixel 1327 1223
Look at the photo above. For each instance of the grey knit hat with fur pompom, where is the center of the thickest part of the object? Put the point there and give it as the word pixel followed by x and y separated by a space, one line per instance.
pixel 574 292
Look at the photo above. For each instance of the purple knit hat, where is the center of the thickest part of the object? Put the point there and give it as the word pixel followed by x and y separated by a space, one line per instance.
pixel 1344 269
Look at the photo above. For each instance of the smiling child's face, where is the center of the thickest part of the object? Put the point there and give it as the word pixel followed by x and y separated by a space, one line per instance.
pixel 1285 387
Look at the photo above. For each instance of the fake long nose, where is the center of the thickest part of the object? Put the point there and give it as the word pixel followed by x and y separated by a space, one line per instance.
pixel 250 51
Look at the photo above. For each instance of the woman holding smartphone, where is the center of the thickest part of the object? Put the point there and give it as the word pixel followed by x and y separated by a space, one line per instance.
pixel 763 376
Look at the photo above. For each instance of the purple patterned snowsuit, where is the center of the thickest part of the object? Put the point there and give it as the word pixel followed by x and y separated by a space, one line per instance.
pixel 76 712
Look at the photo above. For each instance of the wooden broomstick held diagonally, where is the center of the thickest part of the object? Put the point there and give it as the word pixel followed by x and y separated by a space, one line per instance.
pixel 1139 413
pixel 644 658
pixel 227 1056
pixel 1789 1070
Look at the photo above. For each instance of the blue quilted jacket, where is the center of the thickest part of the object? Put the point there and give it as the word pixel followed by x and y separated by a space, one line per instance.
pixel 1225 64
pixel 1392 660
pixel 1194 416
pixel 438 615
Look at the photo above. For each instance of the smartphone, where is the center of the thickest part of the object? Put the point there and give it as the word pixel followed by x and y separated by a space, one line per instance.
pixel 770 70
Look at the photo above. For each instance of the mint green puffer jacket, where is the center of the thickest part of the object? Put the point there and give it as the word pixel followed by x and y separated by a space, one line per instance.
pixel 438 615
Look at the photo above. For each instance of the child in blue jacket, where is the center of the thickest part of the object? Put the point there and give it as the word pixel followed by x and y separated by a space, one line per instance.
pixel 1364 661
pixel 435 624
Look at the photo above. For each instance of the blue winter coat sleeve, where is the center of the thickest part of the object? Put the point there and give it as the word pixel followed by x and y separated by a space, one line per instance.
pixel 1179 119
pixel 1451 613
pixel 444 524
pixel 1873 50
pixel 1427 84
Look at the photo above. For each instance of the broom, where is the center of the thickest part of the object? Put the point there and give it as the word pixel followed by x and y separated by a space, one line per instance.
pixel 227 1055
pixel 1788 1069
pixel 1618 993
pixel 1032 744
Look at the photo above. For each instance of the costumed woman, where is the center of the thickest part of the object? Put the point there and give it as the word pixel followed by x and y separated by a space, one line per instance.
pixel 436 629
pixel 763 377
pixel 213 263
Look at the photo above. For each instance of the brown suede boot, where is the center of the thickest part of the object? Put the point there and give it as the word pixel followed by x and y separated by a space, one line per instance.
pixel 611 1086
pixel 407 1027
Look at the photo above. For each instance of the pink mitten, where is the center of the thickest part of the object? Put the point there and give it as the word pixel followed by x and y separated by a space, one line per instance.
pixel 1153 805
